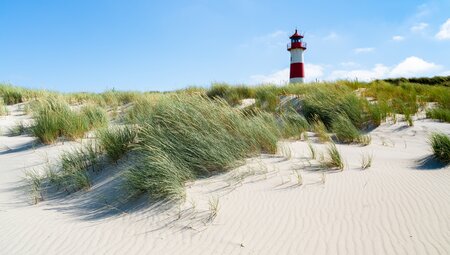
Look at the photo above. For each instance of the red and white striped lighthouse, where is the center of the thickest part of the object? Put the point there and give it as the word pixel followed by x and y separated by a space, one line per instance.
pixel 296 47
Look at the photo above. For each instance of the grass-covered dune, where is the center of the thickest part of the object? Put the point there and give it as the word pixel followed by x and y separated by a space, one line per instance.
pixel 179 136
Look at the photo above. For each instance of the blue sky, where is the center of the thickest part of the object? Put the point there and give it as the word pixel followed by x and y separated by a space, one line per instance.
pixel 87 45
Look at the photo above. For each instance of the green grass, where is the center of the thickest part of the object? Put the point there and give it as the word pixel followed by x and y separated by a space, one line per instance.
pixel 11 94
pixel 440 144
pixel 293 124
pixel 321 130
pixel 116 141
pixel 188 137
pixel 441 114
pixel 95 115
pixel 54 118
pixel 334 158
pixel 344 130
pixel 71 173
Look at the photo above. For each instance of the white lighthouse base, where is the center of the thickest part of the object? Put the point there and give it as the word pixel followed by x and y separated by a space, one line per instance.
pixel 296 80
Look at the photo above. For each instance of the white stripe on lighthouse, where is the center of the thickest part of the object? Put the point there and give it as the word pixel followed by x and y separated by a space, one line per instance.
pixel 296 56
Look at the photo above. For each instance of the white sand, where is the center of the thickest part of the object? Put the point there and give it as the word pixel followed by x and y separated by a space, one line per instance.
pixel 398 206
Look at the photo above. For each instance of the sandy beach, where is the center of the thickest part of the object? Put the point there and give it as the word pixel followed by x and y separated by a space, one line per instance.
pixel 400 205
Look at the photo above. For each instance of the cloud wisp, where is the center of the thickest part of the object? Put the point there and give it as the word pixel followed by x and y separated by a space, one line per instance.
pixel 398 38
pixel 419 27
pixel 410 67
pixel 444 31
pixel 364 50
pixel 280 77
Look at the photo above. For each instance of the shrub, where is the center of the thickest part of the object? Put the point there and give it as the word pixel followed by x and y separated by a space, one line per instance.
pixel 440 143
pixel 116 141
pixel 186 137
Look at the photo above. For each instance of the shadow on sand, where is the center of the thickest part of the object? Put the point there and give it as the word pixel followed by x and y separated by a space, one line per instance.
pixel 429 163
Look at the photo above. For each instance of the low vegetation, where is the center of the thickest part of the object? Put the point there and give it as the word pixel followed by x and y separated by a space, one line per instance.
pixel 71 173
pixel 366 161
pixel 440 144
pixel 441 114
pixel 54 118
pixel 188 137
pixel 334 159
pixel 179 136
pixel 116 141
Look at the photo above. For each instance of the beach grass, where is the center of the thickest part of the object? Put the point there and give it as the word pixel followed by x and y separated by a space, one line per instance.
pixel 116 141
pixel 53 118
pixel 441 114
pixel 440 144
pixel 334 159
pixel 188 137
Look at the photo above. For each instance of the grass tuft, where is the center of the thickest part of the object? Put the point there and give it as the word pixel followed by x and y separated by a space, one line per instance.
pixel 321 130
pixel 344 129
pixel 441 114
pixel 187 137
pixel 440 144
pixel 334 158
pixel 366 161
pixel 35 181
pixel 116 141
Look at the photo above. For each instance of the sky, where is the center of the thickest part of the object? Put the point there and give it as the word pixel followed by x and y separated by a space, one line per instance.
pixel 85 45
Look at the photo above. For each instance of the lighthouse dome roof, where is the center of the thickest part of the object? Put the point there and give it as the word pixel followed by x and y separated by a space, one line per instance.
pixel 296 35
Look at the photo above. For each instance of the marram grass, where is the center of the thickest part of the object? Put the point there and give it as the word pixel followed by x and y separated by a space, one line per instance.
pixel 188 137
pixel 116 141
pixel 440 144
pixel 53 118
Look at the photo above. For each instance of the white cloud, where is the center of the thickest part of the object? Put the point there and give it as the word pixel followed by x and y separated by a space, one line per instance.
pixel 419 27
pixel 410 67
pixel 398 38
pixel 377 72
pixel 331 36
pixel 363 50
pixel 278 77
pixel 444 32
pixel 312 72
pixel 414 66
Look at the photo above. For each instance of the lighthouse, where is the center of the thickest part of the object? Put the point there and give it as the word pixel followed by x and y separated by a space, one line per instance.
pixel 296 47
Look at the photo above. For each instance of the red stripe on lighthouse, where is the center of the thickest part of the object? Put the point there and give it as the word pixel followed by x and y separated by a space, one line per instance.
pixel 297 70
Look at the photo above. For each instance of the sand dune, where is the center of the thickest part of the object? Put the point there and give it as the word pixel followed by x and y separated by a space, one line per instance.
pixel 398 206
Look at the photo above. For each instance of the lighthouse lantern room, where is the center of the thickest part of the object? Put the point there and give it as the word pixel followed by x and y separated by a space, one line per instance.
pixel 296 48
